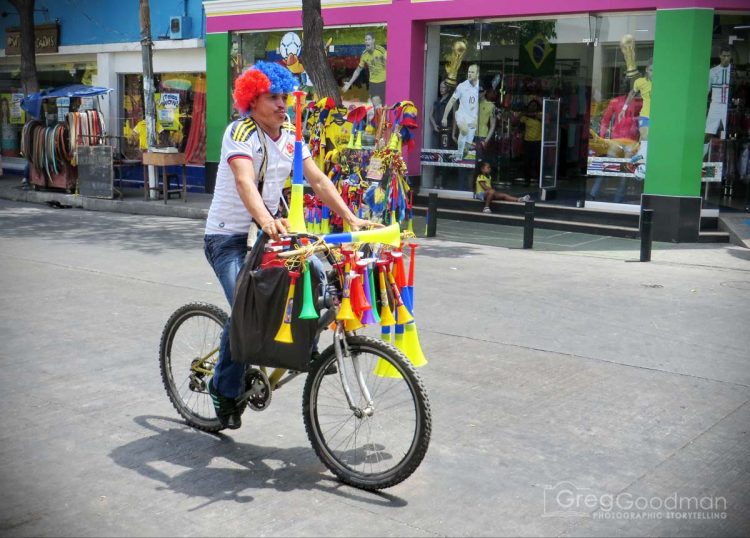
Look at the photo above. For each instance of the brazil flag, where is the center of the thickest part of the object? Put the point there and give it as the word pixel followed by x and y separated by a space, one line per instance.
pixel 537 56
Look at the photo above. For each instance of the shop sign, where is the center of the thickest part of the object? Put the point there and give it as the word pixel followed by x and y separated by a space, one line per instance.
pixel 45 35
pixel 168 111
pixel 17 114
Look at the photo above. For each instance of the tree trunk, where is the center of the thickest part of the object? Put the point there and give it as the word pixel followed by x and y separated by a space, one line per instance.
pixel 29 81
pixel 314 54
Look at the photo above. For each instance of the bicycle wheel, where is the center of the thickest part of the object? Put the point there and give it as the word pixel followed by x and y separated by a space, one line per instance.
pixel 368 451
pixel 188 352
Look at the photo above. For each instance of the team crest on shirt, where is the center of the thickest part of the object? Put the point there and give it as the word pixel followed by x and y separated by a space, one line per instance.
pixel 289 148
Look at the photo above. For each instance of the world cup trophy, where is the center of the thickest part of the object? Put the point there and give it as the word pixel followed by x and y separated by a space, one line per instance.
pixel 454 60
pixel 627 46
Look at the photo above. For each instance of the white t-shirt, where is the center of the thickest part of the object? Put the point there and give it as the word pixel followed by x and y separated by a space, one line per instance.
pixel 227 214
pixel 467 95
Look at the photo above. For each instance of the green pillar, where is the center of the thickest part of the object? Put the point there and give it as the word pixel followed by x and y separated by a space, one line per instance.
pixel 682 52
pixel 217 92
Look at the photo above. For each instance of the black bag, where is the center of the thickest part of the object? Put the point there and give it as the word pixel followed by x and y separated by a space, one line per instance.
pixel 259 304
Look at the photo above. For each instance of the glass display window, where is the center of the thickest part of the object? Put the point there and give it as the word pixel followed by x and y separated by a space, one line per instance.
pixel 726 142
pixel 486 86
pixel 180 100
pixel 357 56
pixel 620 108
pixel 13 117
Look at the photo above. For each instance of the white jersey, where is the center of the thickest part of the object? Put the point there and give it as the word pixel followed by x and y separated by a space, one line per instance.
pixel 718 84
pixel 227 214
pixel 467 95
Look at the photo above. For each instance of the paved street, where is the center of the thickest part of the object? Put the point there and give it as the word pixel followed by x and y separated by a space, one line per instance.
pixel 573 393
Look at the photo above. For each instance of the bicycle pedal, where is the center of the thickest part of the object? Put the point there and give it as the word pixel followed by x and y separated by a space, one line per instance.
pixel 257 390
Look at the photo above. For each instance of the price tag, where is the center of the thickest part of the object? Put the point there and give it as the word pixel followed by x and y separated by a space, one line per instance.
pixel 375 169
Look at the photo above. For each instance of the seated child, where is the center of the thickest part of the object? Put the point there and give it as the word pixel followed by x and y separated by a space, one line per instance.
pixel 483 190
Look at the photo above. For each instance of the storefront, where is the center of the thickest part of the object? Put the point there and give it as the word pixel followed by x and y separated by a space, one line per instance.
pixel 557 99
pixel 180 87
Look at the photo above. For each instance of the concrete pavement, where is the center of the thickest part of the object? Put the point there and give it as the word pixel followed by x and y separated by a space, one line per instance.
pixel 568 387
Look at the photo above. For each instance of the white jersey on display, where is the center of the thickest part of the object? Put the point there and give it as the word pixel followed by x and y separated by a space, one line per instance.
pixel 718 84
pixel 228 215
pixel 467 95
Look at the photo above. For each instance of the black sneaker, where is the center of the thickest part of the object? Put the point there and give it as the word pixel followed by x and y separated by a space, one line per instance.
pixel 226 409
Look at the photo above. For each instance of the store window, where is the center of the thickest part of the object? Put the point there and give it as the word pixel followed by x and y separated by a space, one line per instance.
pixel 12 117
pixel 514 94
pixel 535 100
pixel 180 100
pixel 357 56
pixel 726 149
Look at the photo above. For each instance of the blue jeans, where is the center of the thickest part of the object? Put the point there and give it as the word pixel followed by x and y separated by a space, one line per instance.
pixel 226 254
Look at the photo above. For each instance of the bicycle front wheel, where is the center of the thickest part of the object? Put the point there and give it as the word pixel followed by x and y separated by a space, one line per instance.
pixel 188 352
pixel 368 450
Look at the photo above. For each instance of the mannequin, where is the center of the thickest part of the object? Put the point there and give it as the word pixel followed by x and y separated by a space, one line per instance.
pixel 641 86
pixel 467 95
pixel 442 134
pixel 718 85
pixel 439 108
pixel 487 121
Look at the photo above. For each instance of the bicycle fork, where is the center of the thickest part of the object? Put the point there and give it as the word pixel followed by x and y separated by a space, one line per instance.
pixel 341 349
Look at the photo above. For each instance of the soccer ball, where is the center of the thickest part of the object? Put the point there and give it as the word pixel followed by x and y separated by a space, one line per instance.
pixel 290 44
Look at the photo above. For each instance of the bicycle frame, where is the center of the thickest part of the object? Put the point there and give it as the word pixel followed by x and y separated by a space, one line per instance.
pixel 278 377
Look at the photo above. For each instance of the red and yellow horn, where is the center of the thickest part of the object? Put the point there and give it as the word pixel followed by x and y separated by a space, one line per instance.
pixel 284 334
pixel 401 311
pixel 399 273
pixel 359 300
pixel 345 309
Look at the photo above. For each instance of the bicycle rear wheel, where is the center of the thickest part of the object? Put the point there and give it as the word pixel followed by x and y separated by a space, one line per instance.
pixel 368 451
pixel 188 352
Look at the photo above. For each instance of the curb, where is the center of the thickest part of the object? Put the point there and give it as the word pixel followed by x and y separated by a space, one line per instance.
pixel 133 207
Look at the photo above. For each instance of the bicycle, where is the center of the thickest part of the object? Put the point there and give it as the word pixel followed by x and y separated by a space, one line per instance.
pixel 371 431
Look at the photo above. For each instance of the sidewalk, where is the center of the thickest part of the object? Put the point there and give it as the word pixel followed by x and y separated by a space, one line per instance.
pixel 197 204
pixel 132 201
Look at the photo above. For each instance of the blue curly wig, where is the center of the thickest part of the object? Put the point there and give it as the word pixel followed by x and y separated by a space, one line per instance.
pixel 263 77
pixel 282 80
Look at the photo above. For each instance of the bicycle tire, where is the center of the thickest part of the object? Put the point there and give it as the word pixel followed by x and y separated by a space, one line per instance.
pixel 205 323
pixel 377 463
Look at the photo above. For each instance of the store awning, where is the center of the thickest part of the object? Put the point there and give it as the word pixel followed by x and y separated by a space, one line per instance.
pixel 33 103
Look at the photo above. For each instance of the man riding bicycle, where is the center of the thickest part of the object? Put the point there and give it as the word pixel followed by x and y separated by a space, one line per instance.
pixel 257 153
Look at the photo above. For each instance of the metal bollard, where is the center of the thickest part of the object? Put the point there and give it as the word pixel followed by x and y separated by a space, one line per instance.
pixel 432 204
pixel 647 217
pixel 528 225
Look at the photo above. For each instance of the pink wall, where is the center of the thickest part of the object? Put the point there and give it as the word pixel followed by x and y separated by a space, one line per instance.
pixel 405 22
pixel 453 10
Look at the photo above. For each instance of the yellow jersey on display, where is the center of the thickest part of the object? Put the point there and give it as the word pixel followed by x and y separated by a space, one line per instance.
pixel 643 86
pixel 533 131
pixel 486 110
pixel 375 62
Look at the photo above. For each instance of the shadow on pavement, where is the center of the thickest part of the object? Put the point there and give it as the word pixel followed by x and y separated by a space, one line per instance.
pixel 742 254
pixel 249 466
pixel 91 227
